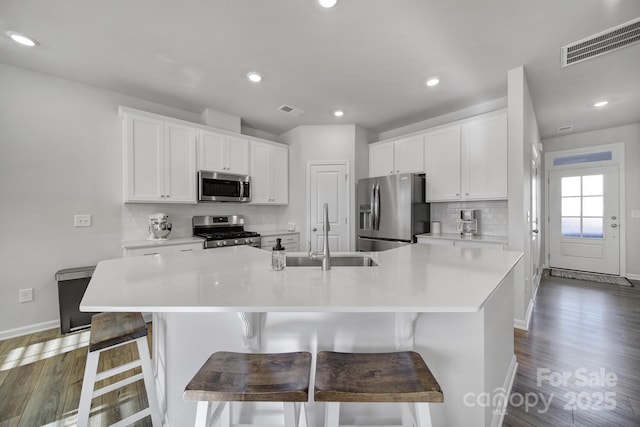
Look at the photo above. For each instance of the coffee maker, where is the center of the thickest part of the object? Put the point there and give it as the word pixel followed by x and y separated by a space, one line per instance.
pixel 159 226
pixel 468 223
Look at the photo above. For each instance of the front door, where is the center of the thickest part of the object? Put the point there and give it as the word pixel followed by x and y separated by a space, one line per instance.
pixel 584 231
pixel 328 183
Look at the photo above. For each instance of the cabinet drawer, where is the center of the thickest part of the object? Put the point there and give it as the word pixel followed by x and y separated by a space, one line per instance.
pixel 189 247
pixel 286 239
pixel 431 241
pixel 475 244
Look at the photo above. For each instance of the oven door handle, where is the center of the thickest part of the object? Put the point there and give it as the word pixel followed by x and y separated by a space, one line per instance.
pixel 241 191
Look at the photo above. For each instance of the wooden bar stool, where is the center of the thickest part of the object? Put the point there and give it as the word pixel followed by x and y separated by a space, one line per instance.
pixel 376 377
pixel 249 377
pixel 110 330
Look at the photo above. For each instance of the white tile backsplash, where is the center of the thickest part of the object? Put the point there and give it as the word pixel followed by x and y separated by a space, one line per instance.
pixel 135 217
pixel 491 215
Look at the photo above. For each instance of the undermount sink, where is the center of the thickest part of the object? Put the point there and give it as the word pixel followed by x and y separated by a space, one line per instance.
pixel 336 261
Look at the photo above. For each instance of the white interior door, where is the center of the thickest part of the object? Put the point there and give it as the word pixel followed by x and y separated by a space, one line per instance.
pixel 584 232
pixel 534 213
pixel 329 183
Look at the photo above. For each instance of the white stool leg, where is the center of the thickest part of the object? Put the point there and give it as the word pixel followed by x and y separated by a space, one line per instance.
pixel 408 417
pixel 423 415
pixel 88 383
pixel 291 414
pixel 332 414
pixel 202 414
pixel 149 381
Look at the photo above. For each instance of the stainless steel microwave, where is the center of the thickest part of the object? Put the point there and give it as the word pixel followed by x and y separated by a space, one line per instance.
pixel 223 187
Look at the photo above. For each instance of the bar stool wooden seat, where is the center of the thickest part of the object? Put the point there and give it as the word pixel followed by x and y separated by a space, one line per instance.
pixel 376 377
pixel 110 330
pixel 249 377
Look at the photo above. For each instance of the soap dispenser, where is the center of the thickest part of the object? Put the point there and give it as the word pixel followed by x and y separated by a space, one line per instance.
pixel 278 257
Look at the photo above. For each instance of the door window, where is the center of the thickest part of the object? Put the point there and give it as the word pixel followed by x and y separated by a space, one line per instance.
pixel 582 206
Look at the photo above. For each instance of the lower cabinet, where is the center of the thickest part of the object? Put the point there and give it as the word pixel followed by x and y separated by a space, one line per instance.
pixel 290 241
pixel 155 248
pixel 461 242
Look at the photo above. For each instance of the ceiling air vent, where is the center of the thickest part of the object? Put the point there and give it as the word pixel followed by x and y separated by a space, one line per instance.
pixel 607 41
pixel 291 110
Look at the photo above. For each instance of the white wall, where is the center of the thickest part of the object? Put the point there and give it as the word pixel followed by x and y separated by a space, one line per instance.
pixel 630 136
pixel 321 143
pixel 60 155
pixel 523 131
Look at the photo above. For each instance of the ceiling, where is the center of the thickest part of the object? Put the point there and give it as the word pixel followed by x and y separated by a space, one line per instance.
pixel 369 58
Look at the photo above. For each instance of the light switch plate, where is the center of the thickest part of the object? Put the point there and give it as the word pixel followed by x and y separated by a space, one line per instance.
pixel 82 220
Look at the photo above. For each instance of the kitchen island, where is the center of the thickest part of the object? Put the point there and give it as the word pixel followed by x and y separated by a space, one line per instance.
pixel 451 304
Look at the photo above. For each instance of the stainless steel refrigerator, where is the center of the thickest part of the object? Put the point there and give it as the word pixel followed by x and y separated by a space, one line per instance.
pixel 392 210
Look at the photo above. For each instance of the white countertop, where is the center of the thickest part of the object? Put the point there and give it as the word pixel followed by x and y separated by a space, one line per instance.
pixel 135 244
pixel 414 278
pixel 457 236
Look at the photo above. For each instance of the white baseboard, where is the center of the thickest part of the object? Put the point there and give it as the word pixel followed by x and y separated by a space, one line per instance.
pixel 30 329
pixel 632 276
pixel 509 380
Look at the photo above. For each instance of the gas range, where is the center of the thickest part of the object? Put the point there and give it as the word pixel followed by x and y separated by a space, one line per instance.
pixel 221 231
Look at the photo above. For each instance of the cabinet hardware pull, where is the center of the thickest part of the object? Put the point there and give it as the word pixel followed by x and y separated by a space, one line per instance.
pixel 152 253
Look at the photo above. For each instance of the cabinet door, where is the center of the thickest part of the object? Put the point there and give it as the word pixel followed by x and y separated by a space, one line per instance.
pixel 381 159
pixel 180 164
pixel 144 159
pixel 237 155
pixel 409 154
pixel 279 174
pixel 484 158
pixel 210 151
pixel 260 172
pixel 442 164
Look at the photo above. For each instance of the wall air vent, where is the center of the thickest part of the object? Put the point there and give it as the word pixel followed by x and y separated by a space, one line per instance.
pixel 291 110
pixel 607 41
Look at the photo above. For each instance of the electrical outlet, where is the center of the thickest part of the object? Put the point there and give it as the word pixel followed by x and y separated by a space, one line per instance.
pixel 82 220
pixel 25 295
pixel 635 214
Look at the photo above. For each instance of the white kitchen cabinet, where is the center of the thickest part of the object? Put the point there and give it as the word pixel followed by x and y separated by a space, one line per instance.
pixel 269 173
pixel 142 248
pixel 467 161
pixel 457 240
pixel 290 241
pixel 484 158
pixel 400 156
pixel 222 153
pixel 159 161
pixel 442 164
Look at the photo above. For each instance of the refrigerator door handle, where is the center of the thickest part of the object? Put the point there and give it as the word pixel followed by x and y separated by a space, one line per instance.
pixel 377 207
pixel 373 206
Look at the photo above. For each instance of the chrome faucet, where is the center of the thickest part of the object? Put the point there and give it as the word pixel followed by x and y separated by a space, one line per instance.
pixel 326 255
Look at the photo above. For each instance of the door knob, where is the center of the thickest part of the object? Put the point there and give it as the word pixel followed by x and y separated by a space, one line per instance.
pixel 535 231
pixel 614 217
pixel 614 225
pixel 314 229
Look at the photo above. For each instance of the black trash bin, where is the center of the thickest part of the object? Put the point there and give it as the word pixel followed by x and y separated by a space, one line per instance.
pixel 72 283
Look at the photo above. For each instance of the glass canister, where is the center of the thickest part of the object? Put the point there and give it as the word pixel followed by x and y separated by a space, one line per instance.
pixel 278 256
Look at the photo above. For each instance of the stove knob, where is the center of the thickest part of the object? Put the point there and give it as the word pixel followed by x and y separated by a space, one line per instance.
pixel 224 243
pixel 247 241
pixel 219 244
pixel 236 241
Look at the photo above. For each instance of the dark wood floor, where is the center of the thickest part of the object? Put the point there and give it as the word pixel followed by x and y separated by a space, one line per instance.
pixel 581 328
pixel 590 333
pixel 44 388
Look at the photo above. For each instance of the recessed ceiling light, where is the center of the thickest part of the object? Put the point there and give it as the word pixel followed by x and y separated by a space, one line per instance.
pixel 600 103
pixel 254 77
pixel 432 81
pixel 327 3
pixel 22 39
pixel 338 113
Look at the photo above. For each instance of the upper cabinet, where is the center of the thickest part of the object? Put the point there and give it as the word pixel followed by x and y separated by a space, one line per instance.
pixel 222 153
pixel 484 158
pixel 467 161
pixel 400 156
pixel 269 173
pixel 159 161
pixel 442 164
